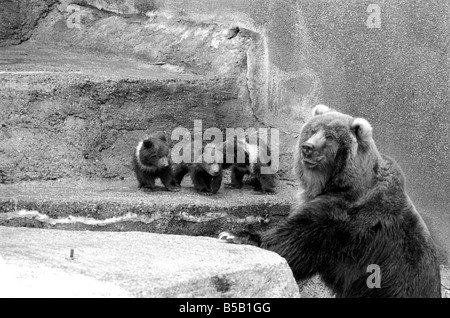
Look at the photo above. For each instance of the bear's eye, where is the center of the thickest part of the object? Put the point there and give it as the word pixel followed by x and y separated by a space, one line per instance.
pixel 329 137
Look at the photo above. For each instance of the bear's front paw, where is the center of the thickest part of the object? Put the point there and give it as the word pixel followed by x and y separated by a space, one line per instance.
pixel 242 237
pixel 227 237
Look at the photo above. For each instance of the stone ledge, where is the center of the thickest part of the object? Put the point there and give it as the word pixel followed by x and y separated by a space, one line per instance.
pixel 36 263
pixel 108 205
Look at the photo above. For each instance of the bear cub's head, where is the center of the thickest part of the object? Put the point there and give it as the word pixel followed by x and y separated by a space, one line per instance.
pixel 335 152
pixel 154 152
pixel 211 161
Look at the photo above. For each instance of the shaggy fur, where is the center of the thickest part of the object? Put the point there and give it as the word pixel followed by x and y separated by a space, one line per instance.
pixel 151 161
pixel 206 177
pixel 355 212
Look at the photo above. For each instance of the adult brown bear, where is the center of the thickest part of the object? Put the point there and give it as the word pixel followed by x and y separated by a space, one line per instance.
pixel 355 216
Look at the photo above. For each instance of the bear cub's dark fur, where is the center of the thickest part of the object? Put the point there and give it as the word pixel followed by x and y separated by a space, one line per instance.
pixel 354 213
pixel 150 161
pixel 206 176
pixel 263 182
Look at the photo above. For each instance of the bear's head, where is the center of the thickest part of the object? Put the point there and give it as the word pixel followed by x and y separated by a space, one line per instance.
pixel 335 152
pixel 154 152
pixel 213 169
pixel 250 150
pixel 211 158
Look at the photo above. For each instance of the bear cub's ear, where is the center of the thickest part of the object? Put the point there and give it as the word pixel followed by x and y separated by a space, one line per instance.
pixel 162 137
pixel 148 143
pixel 361 128
pixel 321 109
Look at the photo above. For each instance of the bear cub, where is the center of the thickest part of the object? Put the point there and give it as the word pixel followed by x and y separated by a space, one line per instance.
pixel 263 182
pixel 206 175
pixel 355 216
pixel 151 161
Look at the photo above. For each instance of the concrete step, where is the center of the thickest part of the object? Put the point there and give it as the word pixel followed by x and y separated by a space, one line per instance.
pixel 38 263
pixel 118 205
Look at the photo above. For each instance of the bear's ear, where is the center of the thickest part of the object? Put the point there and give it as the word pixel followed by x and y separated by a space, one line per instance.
pixel 361 128
pixel 147 143
pixel 321 109
pixel 162 137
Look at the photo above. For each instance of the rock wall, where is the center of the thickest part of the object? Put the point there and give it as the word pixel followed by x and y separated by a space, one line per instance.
pixel 19 18
pixel 51 130
pixel 75 100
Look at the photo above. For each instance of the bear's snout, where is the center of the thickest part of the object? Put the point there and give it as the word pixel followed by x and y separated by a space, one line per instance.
pixel 163 162
pixel 214 169
pixel 307 149
pixel 313 147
